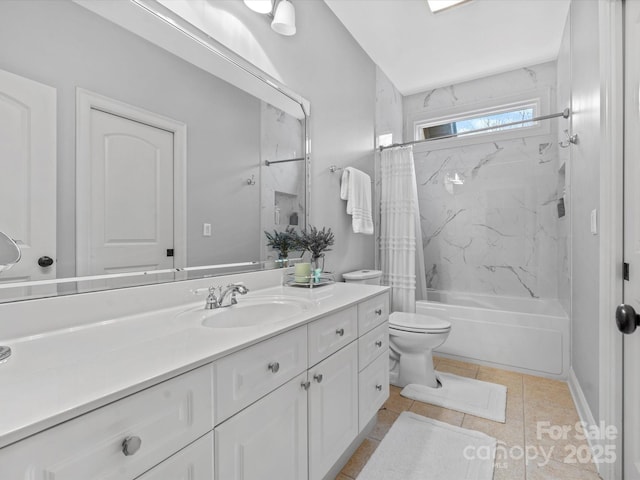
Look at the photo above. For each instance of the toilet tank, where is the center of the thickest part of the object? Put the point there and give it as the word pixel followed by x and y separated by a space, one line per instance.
pixel 366 277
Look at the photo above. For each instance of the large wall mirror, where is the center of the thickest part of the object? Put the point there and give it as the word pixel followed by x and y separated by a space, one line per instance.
pixel 131 142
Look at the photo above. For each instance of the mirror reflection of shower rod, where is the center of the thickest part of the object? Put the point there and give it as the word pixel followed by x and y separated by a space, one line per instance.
pixel 273 162
pixel 566 113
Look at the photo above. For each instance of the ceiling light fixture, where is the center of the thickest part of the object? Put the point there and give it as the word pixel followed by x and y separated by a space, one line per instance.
pixel 284 17
pixel 439 5
pixel 260 6
pixel 284 20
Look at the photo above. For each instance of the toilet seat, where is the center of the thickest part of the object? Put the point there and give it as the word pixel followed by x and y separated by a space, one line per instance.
pixel 416 323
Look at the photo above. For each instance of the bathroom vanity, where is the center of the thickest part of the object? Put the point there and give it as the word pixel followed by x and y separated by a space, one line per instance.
pixel 282 398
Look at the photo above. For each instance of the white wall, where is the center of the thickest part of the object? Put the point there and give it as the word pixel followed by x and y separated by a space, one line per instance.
pixel 585 196
pixel 324 64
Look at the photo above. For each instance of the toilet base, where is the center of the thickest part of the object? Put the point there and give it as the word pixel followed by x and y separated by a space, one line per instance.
pixel 413 369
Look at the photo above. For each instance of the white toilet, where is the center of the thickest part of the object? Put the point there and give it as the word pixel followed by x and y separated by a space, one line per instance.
pixel 412 337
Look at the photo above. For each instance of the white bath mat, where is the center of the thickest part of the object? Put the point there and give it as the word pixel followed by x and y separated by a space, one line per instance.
pixel 420 448
pixel 466 395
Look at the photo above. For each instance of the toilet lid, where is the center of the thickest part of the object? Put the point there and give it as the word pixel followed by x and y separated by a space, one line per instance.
pixel 414 322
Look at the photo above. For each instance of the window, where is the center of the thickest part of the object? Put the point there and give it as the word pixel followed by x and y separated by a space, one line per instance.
pixel 385 140
pixel 502 118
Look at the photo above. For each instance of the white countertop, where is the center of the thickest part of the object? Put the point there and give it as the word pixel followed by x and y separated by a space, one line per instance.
pixel 56 376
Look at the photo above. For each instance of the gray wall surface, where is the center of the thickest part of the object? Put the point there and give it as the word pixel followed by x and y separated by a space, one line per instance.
pixel 585 197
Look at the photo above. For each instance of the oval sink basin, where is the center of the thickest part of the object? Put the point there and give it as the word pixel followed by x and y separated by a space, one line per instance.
pixel 250 312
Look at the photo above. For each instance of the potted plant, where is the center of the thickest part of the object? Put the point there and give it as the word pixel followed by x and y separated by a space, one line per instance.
pixel 316 242
pixel 284 242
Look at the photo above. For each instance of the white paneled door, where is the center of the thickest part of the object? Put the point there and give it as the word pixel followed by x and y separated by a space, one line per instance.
pixel 28 175
pixel 631 412
pixel 130 187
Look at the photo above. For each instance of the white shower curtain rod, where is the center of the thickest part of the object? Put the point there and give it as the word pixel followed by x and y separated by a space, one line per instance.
pixel 566 113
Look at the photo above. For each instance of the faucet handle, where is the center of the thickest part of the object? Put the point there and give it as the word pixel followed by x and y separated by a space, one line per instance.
pixel 199 291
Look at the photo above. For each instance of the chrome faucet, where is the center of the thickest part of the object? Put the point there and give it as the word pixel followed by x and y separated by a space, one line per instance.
pixel 217 296
pixel 232 289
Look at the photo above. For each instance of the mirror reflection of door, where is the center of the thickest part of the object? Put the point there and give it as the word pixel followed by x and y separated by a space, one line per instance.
pixel 130 227
pixel 631 413
pixel 28 174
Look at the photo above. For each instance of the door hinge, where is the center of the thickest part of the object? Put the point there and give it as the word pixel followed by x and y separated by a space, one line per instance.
pixel 169 252
pixel 625 271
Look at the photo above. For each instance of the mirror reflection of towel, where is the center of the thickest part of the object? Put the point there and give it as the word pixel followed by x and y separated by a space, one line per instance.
pixel 356 190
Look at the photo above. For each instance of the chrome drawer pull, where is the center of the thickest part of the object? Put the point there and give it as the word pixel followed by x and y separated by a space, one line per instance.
pixel 274 367
pixel 379 343
pixel 379 387
pixel 340 332
pixel 131 445
pixel 318 377
pixel 379 312
pixel 305 385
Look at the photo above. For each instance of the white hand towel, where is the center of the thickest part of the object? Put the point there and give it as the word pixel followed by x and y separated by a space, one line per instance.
pixel 356 190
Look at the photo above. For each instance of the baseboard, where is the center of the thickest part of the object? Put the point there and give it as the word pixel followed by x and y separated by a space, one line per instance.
pixel 584 412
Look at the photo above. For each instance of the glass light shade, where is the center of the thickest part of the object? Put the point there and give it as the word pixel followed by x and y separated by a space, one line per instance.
pixel 284 21
pixel 438 5
pixel 260 6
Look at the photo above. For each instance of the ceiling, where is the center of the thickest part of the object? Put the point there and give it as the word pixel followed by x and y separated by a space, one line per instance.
pixel 419 50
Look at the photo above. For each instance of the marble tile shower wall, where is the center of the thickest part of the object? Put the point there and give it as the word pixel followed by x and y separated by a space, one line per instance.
pixel 282 186
pixel 489 210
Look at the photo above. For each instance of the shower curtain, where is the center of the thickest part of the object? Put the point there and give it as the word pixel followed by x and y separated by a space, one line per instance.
pixel 401 251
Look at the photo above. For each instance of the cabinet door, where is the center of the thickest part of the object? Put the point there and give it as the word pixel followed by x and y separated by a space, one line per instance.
pixel 194 462
pixel 374 388
pixel 333 409
pixel 267 440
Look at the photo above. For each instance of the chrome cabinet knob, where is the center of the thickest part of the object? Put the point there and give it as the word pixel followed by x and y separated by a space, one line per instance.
pixel 379 311
pixel 340 332
pixel 274 367
pixel 379 343
pixel 131 445
pixel 305 385
pixel 379 387
pixel 318 377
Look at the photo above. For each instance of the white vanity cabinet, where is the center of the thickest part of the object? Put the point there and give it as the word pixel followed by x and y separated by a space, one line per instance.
pixel 333 409
pixel 191 463
pixel 267 440
pixel 119 441
pixel 302 428
pixel 373 356
pixel 247 375
pixel 288 408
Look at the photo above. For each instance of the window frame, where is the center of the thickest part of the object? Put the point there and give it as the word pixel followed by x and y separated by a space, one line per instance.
pixel 539 99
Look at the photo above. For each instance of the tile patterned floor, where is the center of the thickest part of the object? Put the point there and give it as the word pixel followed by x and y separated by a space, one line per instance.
pixel 529 400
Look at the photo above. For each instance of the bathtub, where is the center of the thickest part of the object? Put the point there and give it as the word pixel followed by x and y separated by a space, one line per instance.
pixel 523 334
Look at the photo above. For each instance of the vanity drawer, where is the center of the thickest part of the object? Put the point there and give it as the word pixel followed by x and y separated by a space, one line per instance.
pixel 331 333
pixel 165 418
pixel 373 384
pixel 373 344
pixel 195 462
pixel 245 376
pixel 372 313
